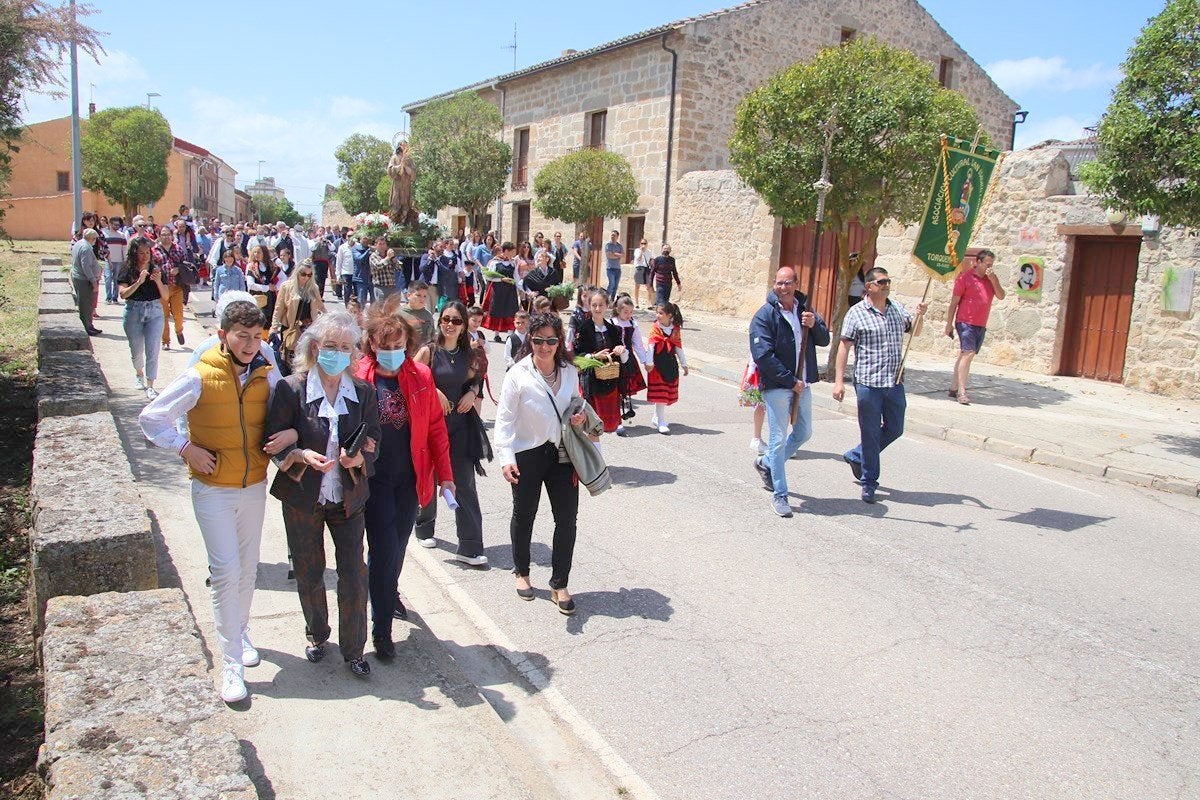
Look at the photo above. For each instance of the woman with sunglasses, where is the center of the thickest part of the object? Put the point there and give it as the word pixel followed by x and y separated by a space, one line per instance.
pixel 413 451
pixel 528 436
pixel 458 375
pixel 298 305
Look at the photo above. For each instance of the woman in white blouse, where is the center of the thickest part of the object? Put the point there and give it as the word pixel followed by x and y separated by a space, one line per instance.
pixel 528 439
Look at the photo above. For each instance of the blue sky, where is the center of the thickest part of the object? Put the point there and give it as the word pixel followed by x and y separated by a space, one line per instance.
pixel 286 82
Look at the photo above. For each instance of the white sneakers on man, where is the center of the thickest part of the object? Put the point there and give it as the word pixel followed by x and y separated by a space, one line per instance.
pixel 233 684
pixel 474 561
pixel 249 652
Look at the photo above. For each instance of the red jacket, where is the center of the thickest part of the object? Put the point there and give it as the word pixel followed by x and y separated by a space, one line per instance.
pixel 430 442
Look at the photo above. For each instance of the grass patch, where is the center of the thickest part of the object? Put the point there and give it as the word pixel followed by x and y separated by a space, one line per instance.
pixel 21 713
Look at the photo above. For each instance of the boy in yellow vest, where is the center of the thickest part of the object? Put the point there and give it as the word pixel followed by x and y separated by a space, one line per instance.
pixel 225 397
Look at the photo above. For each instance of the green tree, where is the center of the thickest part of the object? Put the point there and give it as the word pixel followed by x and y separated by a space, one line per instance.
pixel 1149 137
pixel 891 111
pixel 585 185
pixel 34 38
pixel 361 163
pixel 125 155
pixel 459 158
pixel 275 209
pixel 383 192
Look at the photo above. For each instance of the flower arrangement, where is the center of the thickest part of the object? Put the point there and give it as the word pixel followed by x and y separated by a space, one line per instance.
pixel 563 290
pixel 373 225
pixel 750 397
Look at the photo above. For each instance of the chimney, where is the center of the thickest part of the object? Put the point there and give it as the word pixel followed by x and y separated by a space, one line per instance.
pixel 91 109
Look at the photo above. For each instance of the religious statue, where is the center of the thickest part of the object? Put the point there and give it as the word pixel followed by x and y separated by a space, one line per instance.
pixel 400 201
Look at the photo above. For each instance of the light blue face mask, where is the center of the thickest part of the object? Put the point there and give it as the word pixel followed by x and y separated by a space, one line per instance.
pixel 391 360
pixel 333 362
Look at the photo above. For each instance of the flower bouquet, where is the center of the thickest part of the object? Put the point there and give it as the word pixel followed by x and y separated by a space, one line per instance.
pixel 373 225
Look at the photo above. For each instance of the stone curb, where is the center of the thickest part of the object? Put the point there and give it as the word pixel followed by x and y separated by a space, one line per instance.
pixel 991 444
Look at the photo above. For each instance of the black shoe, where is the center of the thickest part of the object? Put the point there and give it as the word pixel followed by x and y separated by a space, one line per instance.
pixel 94 332
pixel 359 667
pixel 399 612
pixel 764 472
pixel 179 336
pixel 565 607
pixel 315 652
pixel 384 648
pixel 291 575
pixel 868 495
pixel 525 594
pixel 630 414
pixel 855 467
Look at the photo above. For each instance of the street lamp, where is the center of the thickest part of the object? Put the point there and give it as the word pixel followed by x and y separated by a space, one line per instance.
pixel 149 95
pixel 1018 118
pixel 260 163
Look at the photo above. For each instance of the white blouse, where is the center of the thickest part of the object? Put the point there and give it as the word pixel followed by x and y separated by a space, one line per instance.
pixel 525 416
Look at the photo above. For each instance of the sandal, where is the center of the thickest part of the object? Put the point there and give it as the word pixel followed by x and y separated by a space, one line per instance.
pixel 963 400
pixel 566 607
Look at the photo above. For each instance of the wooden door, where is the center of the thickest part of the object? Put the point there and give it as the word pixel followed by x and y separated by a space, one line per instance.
pixel 795 251
pixel 522 232
pixel 596 228
pixel 635 230
pixel 1103 272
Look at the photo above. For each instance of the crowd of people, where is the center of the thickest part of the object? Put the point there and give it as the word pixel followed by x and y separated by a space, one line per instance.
pixel 369 402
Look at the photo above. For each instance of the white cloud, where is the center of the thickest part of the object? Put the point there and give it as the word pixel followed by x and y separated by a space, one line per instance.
pixel 1064 128
pixel 297 144
pixel 1049 74
pixel 118 80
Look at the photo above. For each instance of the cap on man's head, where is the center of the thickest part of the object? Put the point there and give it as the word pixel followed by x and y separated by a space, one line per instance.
pixel 281 224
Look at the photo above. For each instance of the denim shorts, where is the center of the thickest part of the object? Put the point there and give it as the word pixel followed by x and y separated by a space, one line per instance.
pixel 970 337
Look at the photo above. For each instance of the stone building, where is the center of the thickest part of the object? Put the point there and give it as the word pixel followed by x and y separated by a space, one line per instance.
pixel 664 98
pixel 1114 302
pixel 41 199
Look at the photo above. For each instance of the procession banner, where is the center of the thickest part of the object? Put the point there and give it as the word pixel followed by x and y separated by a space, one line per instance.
pixel 956 201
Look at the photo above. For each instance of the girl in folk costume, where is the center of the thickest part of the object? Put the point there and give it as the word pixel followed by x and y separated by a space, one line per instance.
pixel 600 338
pixel 479 346
pixel 667 358
pixel 500 300
pixel 632 381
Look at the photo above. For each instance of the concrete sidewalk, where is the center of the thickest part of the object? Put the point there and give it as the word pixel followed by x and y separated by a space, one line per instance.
pixel 1097 428
pixel 457 714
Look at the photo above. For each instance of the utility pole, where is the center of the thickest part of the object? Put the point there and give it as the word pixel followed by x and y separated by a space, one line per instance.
pixel 513 47
pixel 76 156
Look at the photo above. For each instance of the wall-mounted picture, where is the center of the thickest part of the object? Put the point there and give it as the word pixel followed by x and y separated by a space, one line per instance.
pixel 1177 289
pixel 1029 277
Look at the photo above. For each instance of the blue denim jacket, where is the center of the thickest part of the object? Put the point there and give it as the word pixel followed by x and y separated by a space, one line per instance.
pixel 773 345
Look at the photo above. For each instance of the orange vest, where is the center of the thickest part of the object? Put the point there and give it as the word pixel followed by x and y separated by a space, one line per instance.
pixel 229 420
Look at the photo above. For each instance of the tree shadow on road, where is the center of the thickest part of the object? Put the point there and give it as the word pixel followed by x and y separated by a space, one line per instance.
pixel 1183 445
pixel 985 389
pixel 633 476
pixel 647 604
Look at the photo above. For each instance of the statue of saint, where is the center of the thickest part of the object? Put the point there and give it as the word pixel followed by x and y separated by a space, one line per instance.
pixel 400 203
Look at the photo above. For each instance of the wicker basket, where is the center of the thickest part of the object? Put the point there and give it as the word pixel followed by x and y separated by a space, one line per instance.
pixel 607 372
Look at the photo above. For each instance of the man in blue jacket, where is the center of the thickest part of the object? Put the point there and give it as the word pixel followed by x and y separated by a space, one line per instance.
pixel 364 287
pixel 775 334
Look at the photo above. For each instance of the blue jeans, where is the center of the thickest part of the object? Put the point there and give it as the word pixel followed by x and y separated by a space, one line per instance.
pixel 880 422
pixel 364 288
pixel 662 294
pixel 143 324
pixel 780 445
pixel 390 514
pixel 614 280
pixel 110 280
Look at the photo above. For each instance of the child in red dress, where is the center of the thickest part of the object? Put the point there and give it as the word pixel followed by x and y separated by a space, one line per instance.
pixel 666 359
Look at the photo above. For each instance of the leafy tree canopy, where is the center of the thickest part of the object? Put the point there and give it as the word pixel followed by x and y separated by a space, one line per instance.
pixel 1149 137
pixel 585 185
pixel 361 163
pixel 276 209
pixel 460 160
pixel 34 37
pixel 125 155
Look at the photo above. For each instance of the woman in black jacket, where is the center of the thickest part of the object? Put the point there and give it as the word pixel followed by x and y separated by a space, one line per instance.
pixel 323 479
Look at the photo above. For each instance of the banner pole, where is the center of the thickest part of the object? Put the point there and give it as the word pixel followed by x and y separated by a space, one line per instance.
pixel 913 331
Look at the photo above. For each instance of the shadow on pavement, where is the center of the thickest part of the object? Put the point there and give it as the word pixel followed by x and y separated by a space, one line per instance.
pixel 680 428
pixel 647 604
pixel 1052 519
pixel 254 768
pixel 500 555
pixel 986 389
pixel 930 499
pixel 1183 445
pixel 632 476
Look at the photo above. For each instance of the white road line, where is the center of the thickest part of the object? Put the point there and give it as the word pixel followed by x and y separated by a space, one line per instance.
pixel 1045 479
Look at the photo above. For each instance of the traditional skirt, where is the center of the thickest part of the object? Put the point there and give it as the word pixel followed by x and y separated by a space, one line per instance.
pixel 499 307
pixel 660 391
pixel 608 408
pixel 632 381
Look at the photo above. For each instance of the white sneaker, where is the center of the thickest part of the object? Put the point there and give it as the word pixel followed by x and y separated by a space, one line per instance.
pixel 249 652
pixel 139 381
pixel 430 542
pixel 233 685
pixel 758 446
pixel 662 428
pixel 474 561
pixel 151 392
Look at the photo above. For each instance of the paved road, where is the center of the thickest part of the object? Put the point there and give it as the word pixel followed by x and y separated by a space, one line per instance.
pixel 988 630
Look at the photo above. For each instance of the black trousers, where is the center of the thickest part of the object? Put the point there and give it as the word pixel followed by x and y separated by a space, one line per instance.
pixel 391 511
pixel 321 273
pixel 469 517
pixel 85 301
pixel 306 543
pixel 539 466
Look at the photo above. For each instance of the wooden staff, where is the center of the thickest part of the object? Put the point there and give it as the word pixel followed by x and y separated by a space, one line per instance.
pixel 916 326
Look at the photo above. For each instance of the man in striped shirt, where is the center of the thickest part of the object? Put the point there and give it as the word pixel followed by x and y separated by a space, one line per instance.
pixel 874 329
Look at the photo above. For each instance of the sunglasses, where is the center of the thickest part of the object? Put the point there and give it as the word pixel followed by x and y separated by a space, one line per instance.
pixel 305 274
pixel 547 341
pixel 452 320
pixel 883 282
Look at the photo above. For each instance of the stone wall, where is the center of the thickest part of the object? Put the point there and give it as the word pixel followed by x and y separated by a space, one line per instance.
pixel 724 240
pixel 724 56
pixel 1030 203
pixel 334 214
